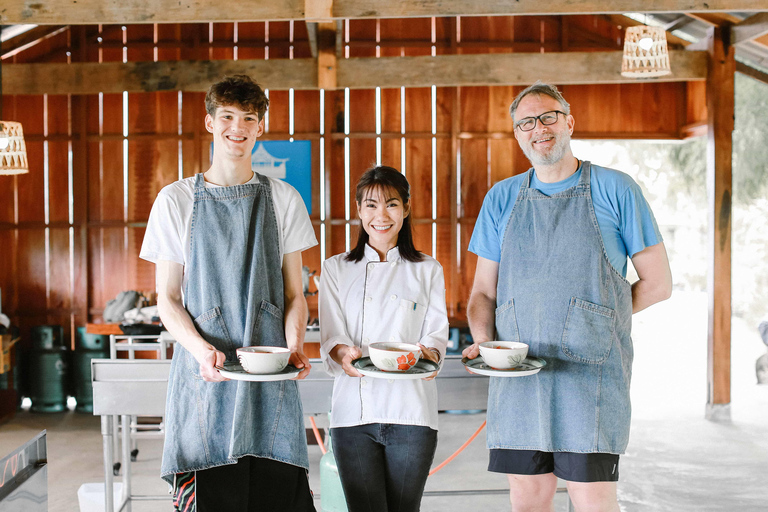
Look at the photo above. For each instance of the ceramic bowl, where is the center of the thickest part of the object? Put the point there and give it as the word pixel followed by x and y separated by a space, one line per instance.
pixel 263 360
pixel 393 356
pixel 503 355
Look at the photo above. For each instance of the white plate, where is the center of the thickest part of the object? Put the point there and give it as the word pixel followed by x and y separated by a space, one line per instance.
pixel 529 366
pixel 235 372
pixel 422 369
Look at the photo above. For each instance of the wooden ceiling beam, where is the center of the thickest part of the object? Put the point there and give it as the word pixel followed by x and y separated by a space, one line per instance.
pixel 751 72
pixel 506 69
pixel 29 38
pixel 358 73
pixel 750 29
pixel 80 12
pixel 714 19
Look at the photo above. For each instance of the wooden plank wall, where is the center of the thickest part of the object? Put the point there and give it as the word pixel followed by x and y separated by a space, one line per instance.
pixel 71 229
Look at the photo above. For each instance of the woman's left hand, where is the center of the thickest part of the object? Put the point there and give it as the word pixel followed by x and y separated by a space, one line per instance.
pixel 432 354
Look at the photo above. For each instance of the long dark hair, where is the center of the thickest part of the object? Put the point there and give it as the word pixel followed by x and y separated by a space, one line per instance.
pixel 386 178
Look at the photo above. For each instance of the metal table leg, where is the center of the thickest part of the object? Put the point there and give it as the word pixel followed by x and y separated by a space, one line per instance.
pixel 126 502
pixel 107 433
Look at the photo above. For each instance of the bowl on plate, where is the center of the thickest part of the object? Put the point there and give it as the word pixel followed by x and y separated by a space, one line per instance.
pixel 263 360
pixel 391 356
pixel 503 355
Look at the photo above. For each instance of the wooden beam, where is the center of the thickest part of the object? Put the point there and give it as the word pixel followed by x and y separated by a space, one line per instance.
pixel 720 111
pixel 714 19
pixel 752 72
pixel 326 57
pixel 506 69
pixel 360 73
pixel 73 12
pixel 29 38
pixel 751 28
pixel 318 10
pixel 188 76
pixel 312 37
pixel 677 23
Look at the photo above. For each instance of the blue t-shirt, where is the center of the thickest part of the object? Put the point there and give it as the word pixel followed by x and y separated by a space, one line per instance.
pixel 626 222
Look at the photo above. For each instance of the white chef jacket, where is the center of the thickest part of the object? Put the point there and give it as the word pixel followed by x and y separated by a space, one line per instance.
pixel 373 300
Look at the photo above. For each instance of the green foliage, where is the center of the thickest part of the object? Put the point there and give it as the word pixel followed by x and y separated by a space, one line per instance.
pixel 673 176
pixel 750 140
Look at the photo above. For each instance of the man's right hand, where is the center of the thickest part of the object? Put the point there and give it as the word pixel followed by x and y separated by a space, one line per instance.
pixel 471 351
pixel 208 359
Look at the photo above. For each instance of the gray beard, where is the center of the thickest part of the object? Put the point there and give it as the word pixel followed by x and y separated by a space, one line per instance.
pixel 551 158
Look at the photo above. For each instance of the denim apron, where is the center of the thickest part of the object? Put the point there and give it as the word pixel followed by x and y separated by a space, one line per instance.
pixel 234 293
pixel 558 292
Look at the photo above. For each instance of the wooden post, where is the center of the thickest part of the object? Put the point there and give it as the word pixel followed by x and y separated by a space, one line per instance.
pixel 720 113
pixel 80 289
pixel 455 265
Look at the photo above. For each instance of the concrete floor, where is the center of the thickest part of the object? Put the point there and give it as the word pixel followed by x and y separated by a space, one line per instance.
pixel 676 460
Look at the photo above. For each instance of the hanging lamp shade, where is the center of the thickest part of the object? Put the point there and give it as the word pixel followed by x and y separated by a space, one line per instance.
pixel 645 53
pixel 13 151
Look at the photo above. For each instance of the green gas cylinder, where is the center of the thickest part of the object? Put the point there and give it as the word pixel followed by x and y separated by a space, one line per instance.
pixel 87 347
pixel 48 379
pixel 331 494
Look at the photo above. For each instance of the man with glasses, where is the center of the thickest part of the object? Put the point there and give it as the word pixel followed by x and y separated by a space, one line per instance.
pixel 552 247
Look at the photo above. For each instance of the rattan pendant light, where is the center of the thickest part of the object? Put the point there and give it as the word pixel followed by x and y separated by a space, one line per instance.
pixel 13 151
pixel 645 53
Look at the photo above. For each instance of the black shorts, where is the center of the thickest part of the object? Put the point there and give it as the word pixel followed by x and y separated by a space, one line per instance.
pixel 572 467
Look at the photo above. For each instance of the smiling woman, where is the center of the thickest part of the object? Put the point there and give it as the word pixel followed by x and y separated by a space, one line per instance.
pixel 383 290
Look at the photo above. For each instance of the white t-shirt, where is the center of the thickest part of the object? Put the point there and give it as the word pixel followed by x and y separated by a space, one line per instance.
pixel 169 233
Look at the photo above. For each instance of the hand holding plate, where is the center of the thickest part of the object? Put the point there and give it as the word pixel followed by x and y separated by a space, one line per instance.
pixel 208 360
pixel 299 360
pixel 431 354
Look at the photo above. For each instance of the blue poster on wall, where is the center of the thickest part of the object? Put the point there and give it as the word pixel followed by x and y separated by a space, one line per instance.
pixel 288 161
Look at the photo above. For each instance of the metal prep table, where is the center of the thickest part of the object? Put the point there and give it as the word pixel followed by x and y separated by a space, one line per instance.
pixel 125 387
pixel 159 345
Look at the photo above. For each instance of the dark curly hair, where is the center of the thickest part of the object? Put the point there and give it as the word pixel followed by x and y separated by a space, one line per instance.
pixel 239 91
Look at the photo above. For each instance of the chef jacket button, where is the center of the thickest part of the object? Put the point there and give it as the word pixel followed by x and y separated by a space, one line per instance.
pixel 392 264
pixel 371 266
pixel 362 382
pixel 391 338
pixel 393 297
pixel 391 381
pixel 368 299
pixel 367 340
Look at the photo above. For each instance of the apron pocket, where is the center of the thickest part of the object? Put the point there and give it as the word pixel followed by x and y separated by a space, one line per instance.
pixel 588 333
pixel 211 326
pixel 270 329
pixel 506 322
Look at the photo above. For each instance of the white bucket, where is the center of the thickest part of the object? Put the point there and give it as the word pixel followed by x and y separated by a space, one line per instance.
pixel 91 496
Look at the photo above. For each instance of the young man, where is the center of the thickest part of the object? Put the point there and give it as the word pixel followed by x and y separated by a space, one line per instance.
pixel 227 244
pixel 552 248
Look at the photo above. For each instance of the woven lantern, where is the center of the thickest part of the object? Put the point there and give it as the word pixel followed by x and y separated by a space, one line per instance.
pixel 13 152
pixel 645 53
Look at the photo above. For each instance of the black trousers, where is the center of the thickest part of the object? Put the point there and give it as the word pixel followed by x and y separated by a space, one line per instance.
pixel 383 467
pixel 253 485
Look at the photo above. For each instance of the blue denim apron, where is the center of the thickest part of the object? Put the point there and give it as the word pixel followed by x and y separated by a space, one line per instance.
pixel 558 292
pixel 234 293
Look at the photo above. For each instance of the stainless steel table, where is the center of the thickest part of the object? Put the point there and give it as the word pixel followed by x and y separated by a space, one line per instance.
pixel 124 387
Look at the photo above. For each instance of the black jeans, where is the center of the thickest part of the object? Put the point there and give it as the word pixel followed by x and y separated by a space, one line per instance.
pixel 253 485
pixel 383 467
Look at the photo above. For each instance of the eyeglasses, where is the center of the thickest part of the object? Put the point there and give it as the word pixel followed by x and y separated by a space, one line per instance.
pixel 527 124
